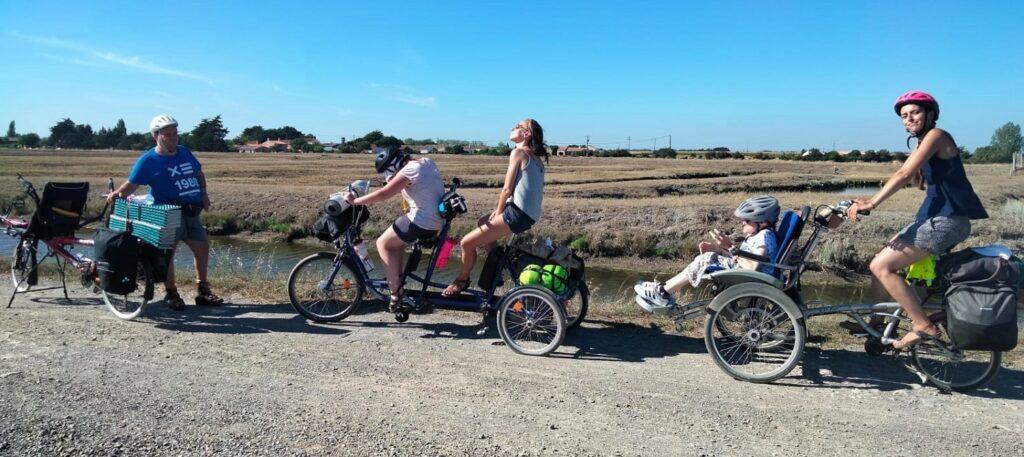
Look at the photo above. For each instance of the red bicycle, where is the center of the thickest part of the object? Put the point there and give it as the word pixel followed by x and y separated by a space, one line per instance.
pixel 54 223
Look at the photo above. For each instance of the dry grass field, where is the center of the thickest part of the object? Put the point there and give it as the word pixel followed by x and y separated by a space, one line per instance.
pixel 638 209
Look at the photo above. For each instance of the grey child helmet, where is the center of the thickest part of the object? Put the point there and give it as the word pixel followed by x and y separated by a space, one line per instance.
pixel 763 208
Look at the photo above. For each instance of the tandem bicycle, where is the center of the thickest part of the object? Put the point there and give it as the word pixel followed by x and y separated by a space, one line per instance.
pixel 532 320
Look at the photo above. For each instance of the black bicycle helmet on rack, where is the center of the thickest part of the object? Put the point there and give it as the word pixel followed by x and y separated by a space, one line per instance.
pixel 388 159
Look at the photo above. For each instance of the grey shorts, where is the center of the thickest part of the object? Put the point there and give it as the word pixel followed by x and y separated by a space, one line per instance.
pixel 191 229
pixel 936 235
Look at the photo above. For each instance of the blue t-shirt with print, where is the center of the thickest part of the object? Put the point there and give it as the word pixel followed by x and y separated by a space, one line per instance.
pixel 171 179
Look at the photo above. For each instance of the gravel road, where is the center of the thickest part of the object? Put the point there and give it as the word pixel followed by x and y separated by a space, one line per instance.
pixel 255 379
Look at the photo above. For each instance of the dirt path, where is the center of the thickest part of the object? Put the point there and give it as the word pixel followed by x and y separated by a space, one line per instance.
pixel 257 379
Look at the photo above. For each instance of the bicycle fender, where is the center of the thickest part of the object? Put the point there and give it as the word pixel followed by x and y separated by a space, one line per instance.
pixel 755 289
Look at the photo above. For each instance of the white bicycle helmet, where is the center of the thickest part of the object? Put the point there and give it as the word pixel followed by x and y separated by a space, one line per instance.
pixel 760 209
pixel 160 122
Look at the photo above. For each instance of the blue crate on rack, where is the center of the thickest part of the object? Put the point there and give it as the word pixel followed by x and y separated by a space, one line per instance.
pixel 154 224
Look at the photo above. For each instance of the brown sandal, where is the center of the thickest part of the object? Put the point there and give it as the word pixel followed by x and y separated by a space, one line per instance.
pixel 206 297
pixel 922 336
pixel 455 288
pixel 173 300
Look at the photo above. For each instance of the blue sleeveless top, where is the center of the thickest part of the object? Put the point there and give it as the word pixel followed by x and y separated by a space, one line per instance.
pixel 949 192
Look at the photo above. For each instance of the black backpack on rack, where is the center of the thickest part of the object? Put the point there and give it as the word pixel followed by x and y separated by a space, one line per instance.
pixel 981 300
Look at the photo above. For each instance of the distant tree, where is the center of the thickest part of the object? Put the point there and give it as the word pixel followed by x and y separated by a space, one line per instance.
pixel 300 145
pixel 554 149
pixel 373 137
pixel 1005 142
pixel 29 140
pixel 834 156
pixel 208 136
pixel 388 142
pixel 664 153
pixel 455 149
pixel 119 129
pixel 853 156
pixel 721 149
pixel 11 133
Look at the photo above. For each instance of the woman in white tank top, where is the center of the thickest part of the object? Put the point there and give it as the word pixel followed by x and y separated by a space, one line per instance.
pixel 519 203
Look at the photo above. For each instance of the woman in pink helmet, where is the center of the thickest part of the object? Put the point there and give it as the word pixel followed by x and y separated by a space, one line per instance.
pixel 944 219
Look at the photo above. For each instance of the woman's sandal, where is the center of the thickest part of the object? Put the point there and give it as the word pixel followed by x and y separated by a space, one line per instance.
pixel 396 300
pixel 455 288
pixel 922 336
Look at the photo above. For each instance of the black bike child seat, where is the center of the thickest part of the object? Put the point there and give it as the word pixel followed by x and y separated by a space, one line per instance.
pixel 60 210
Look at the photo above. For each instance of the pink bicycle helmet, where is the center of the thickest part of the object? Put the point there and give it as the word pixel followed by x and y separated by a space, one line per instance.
pixel 917 97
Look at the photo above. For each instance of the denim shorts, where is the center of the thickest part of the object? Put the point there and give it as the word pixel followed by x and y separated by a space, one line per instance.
pixel 936 235
pixel 191 229
pixel 516 219
pixel 410 232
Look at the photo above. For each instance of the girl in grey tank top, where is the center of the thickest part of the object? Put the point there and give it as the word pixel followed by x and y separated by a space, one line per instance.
pixel 518 205
pixel 529 192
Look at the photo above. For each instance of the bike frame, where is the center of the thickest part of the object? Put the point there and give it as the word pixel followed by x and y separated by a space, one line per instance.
pixel 469 300
pixel 795 269
pixel 57 247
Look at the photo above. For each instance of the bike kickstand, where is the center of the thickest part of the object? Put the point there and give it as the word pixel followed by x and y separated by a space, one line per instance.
pixel 483 325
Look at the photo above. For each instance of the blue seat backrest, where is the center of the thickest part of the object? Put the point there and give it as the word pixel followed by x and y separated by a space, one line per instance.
pixel 787 232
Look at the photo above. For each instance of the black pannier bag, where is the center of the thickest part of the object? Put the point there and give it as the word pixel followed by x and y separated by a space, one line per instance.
pixel 981 301
pixel 117 260
pixel 158 261
pixel 329 228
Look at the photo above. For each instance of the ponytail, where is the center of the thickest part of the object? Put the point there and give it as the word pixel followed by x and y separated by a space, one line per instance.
pixel 536 142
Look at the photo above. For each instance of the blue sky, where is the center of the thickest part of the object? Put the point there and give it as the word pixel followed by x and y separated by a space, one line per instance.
pixel 757 75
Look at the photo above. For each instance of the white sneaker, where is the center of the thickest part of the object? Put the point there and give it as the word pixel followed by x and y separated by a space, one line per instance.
pixel 649 297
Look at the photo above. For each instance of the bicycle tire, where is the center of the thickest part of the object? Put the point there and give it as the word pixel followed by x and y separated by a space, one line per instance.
pixel 754 315
pixel 531 314
pixel 576 306
pixel 940 372
pixel 317 303
pixel 128 306
pixel 21 265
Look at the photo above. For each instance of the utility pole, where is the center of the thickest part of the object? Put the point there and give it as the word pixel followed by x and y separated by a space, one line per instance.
pixel 629 143
pixel 833 145
pixel 588 141
pixel 670 141
pixel 655 147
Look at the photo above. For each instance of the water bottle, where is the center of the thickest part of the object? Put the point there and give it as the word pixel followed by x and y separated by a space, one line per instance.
pixel 446 253
pixel 364 255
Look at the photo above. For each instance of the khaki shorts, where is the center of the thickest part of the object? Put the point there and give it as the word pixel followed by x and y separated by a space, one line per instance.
pixel 191 229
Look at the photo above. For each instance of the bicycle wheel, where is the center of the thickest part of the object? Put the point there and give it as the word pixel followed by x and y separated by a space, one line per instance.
pixel 530 321
pixel 22 264
pixel 952 369
pixel 128 306
pixel 317 299
pixel 575 306
pixel 754 337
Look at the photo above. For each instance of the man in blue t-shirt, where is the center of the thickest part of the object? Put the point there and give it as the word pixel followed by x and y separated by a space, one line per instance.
pixel 175 177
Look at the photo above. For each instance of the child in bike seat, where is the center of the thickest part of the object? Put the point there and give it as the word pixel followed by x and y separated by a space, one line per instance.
pixel 420 183
pixel 758 216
